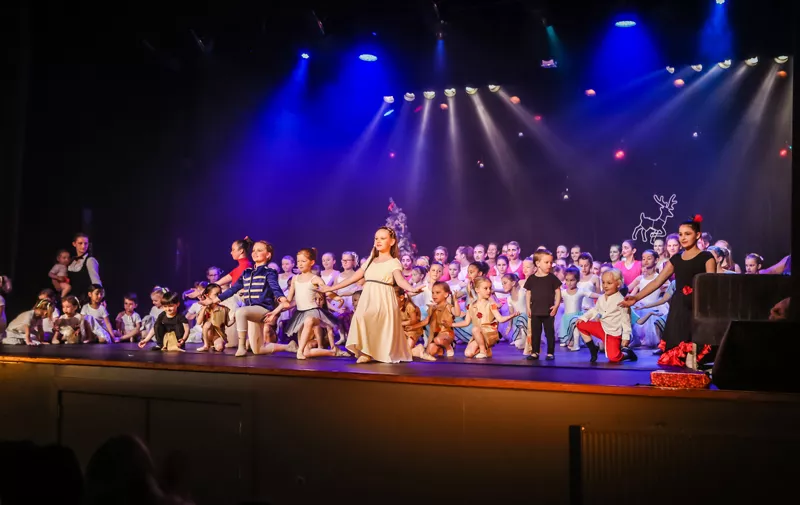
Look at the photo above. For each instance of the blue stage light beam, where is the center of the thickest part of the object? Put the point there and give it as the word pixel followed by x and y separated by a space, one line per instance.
pixel 621 57
pixel 716 37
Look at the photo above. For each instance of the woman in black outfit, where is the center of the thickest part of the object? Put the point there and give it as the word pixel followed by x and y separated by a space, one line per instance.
pixel 84 269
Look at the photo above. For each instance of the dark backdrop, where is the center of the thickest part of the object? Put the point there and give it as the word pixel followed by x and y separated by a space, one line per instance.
pixel 135 136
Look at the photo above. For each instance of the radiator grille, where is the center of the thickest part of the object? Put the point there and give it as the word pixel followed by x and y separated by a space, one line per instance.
pixel 658 466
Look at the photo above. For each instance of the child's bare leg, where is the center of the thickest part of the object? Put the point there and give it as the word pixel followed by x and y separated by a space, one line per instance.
pixel 65 289
pixel 206 337
pixel 269 335
pixel 471 349
pixel 477 336
pixel 260 343
pixel 309 326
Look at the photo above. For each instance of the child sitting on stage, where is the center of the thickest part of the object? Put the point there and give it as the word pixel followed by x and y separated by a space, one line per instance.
pixel 213 320
pixel 96 310
pixel 129 323
pixel 614 327
pixel 409 316
pixel 486 317
pixel 71 326
pixel 27 327
pixel 171 328
pixel 440 318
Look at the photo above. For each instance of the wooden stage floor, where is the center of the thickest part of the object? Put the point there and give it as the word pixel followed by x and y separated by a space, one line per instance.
pixel 507 364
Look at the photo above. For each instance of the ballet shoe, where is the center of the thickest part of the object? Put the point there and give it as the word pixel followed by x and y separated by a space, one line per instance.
pixel 363 359
pixel 340 352
pixel 300 355
pixel 202 349
pixel 481 355
pixel 240 352
pixel 450 352
pixel 292 346
pixel 427 357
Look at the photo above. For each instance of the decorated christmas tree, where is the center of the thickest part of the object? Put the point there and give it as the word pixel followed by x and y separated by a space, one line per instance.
pixel 399 223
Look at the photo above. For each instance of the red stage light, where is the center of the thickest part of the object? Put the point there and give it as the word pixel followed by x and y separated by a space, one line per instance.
pixel 784 153
pixel 678 83
pixel 418 109
pixel 619 154
pixel 391 154
pixel 537 118
pixel 782 74
pixel 443 106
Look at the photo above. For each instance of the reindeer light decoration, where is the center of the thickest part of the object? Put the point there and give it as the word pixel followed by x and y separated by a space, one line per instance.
pixel 650 228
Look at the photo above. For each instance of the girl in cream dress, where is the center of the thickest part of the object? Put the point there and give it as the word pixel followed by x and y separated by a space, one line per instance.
pixel 376 332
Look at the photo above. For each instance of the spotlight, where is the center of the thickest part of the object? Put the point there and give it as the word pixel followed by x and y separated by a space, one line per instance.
pixel 590 92
pixel 388 112
pixel 565 195
pixel 480 164
pixel 695 134
pixel 751 62
pixel 388 99
pixel 626 23
pixel 781 59
pixel 671 70
pixel 620 155
pixel 520 134
pixel 724 64
pixel 391 154
pixel 784 152
pixel 494 88
pixel 368 57
pixel 450 92
pixel 471 91
pixel 720 2
pixel 443 106
pixel 782 74
pixel 697 68
pixel 514 99
pixel 678 83
pixel 409 97
pixel 305 56
pixel 549 64
pixel 537 118
pixel 429 94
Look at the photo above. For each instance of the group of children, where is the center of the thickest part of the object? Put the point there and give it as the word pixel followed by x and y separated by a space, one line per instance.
pixel 485 296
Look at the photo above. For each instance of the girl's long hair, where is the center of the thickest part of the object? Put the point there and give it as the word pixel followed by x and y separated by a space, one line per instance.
pixel 393 251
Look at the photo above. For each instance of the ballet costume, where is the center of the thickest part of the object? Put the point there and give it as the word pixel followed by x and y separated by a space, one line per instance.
pixel 573 310
pixel 286 314
pixel 648 334
pixel 306 308
pixel 375 330
pixel 481 313
pixel 518 329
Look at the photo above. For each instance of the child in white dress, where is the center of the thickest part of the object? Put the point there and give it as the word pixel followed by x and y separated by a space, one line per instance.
pixel 97 315
pixel 648 332
pixel 572 297
pixel 71 327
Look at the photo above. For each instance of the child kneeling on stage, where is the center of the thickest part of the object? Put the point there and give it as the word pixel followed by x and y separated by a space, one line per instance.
pixel 485 317
pixel 614 326
pixel 213 319
pixel 409 316
pixel 171 329
pixel 440 317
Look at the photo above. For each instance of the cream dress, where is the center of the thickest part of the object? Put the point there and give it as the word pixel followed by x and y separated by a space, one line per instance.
pixel 375 329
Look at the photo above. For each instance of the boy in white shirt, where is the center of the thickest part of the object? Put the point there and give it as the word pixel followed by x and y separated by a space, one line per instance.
pixel 614 326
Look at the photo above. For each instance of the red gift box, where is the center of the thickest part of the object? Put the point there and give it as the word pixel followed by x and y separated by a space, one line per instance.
pixel 682 380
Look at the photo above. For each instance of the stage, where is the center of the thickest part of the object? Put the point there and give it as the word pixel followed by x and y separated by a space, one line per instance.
pixel 507 365
pixel 276 430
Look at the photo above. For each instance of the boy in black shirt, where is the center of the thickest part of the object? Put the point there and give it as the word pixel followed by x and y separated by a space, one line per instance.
pixel 171 328
pixel 543 296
